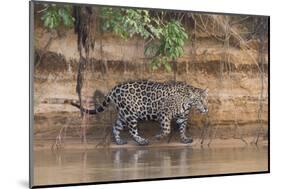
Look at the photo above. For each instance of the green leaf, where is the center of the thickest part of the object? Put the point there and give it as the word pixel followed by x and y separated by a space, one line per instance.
pixel 55 15
pixel 168 67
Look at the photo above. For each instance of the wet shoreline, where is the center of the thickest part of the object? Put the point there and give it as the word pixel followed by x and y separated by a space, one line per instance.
pixel 196 144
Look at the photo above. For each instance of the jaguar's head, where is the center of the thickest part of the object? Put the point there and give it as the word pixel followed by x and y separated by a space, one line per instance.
pixel 197 98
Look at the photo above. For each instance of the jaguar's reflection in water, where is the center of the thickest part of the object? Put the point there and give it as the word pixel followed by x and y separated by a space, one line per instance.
pixel 75 166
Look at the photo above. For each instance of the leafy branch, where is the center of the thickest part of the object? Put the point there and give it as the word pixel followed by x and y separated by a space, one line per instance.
pixel 55 15
pixel 169 47
pixel 164 37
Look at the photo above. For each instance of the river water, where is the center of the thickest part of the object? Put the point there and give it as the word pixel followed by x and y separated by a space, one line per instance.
pixel 113 164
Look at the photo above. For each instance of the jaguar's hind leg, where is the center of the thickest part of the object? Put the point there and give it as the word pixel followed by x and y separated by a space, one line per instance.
pixel 182 124
pixel 134 132
pixel 165 127
pixel 117 128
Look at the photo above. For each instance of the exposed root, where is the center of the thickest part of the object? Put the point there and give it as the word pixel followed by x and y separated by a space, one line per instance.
pixel 213 136
pixel 237 128
pixel 59 142
pixel 106 140
pixel 205 130
pixel 259 132
pixel 60 138
pixel 84 127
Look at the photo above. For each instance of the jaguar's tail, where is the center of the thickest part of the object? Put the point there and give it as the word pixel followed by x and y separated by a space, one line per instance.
pixel 100 108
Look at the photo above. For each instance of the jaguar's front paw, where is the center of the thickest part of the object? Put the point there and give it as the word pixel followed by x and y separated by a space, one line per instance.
pixel 141 141
pixel 120 142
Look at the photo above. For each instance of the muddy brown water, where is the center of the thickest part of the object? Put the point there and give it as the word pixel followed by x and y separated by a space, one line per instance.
pixel 114 164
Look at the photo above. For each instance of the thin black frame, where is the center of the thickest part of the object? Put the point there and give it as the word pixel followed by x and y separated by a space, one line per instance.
pixel 31 113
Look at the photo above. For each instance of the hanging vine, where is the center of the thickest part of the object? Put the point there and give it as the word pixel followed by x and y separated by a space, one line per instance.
pixel 261 25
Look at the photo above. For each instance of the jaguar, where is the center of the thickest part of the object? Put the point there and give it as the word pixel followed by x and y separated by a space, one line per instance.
pixel 149 100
